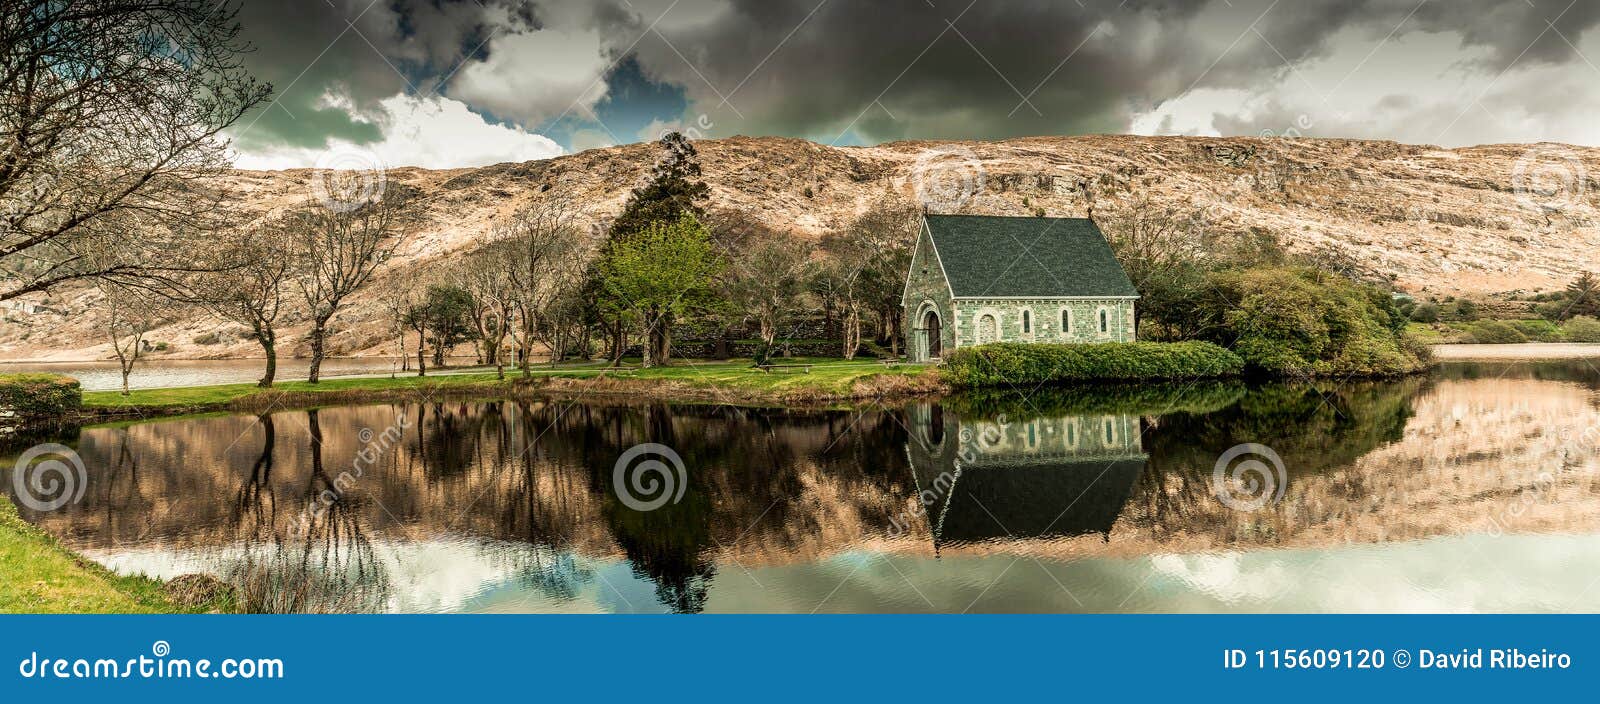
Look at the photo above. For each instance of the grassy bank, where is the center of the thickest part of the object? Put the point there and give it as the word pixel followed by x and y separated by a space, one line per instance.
pixel 38 575
pixel 733 381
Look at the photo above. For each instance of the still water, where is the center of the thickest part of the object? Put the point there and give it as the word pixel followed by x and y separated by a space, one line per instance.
pixel 1473 489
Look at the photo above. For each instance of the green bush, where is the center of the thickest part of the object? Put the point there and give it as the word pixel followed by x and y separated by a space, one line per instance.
pixel 1009 363
pixel 1582 329
pixel 1540 330
pixel 1496 332
pixel 1465 310
pixel 1425 313
pixel 1300 322
pixel 39 396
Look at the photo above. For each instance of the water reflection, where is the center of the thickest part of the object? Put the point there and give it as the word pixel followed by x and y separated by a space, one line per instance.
pixel 1106 493
pixel 1009 478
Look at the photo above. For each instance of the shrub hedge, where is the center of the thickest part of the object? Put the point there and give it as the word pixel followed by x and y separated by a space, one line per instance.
pixel 1582 329
pixel 1004 363
pixel 1497 332
pixel 1300 322
pixel 39 396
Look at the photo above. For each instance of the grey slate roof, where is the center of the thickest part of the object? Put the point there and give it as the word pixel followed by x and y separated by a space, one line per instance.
pixel 1005 257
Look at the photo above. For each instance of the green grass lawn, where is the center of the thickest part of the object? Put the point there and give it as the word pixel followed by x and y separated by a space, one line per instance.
pixel 827 377
pixel 37 575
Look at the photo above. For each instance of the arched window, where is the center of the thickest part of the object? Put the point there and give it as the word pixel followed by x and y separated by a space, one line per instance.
pixel 1105 321
pixel 1066 321
pixel 1027 322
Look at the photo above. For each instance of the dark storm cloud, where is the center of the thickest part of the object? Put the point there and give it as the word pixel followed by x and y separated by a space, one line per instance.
pixel 356 51
pixel 971 76
pixel 851 70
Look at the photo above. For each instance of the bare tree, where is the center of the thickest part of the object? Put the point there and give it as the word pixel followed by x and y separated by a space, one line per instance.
pixel 252 291
pixel 768 283
pixel 401 294
pixel 128 316
pixel 486 274
pixel 544 255
pixel 110 113
pixel 867 271
pixel 339 250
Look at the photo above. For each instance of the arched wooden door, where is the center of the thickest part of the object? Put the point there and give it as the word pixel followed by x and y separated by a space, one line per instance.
pixel 930 326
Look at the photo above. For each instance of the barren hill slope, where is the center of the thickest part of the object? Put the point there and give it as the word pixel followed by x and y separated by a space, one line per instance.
pixel 1475 221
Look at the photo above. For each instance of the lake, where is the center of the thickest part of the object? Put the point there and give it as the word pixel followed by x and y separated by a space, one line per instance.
pixel 1473 489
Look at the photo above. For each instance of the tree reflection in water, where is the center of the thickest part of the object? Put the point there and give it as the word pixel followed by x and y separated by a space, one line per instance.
pixel 321 562
pixel 527 484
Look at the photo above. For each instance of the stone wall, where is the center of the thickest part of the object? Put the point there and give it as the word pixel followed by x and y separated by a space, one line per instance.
pixel 1045 320
pixel 926 290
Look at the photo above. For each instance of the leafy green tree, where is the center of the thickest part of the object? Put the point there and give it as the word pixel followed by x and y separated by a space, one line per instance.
pixel 1425 313
pixel 659 273
pixel 1583 296
pixel 1298 321
pixel 444 317
pixel 674 189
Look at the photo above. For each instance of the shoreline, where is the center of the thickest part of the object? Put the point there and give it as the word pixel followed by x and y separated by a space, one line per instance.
pixel 812 383
pixel 827 383
pixel 40 575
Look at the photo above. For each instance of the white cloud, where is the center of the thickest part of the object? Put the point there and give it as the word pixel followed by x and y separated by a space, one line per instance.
pixel 433 133
pixel 533 77
pixel 1417 87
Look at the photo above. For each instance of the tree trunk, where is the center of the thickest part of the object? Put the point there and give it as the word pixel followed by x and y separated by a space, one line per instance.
pixel 438 353
pixel 422 361
pixel 125 372
pixel 852 332
pixel 269 346
pixel 619 342
pixel 319 337
pixel 896 331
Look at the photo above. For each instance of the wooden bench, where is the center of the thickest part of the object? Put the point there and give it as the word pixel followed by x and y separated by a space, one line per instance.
pixel 769 368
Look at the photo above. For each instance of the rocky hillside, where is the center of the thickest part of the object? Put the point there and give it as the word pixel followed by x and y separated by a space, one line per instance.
pixel 1486 222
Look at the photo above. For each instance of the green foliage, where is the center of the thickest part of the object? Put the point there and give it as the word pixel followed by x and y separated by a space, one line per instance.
pixel 445 313
pixel 1539 330
pixel 1464 310
pixel 1583 295
pixel 39 396
pixel 1582 329
pixel 1496 332
pixel 1026 364
pixel 1295 321
pixel 1150 399
pixel 674 189
pixel 1425 313
pixel 665 270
